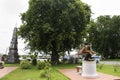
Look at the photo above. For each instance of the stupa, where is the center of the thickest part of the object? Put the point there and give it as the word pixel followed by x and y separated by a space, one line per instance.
pixel 13 49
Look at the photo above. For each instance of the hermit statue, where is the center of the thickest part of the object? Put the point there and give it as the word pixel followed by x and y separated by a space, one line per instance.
pixel 87 52
pixel 88 63
pixel 13 49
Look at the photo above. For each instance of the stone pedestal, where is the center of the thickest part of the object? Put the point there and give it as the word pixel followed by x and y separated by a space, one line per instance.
pixel 89 69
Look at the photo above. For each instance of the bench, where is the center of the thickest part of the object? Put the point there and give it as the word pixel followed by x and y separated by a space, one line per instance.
pixel 79 68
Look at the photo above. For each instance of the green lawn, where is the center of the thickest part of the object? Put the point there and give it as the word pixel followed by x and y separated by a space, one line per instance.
pixel 65 66
pixel 11 65
pixel 109 69
pixel 34 73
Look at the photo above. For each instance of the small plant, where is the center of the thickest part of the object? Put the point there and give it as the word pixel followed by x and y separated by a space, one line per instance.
pixel 100 66
pixel 116 67
pixel 47 71
pixel 25 64
pixel 41 65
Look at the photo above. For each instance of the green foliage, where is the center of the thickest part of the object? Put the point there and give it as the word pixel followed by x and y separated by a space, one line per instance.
pixel 4 57
pixel 24 56
pixel 47 71
pixel 33 56
pixel 104 35
pixel 54 26
pixel 25 64
pixel 46 67
pixel 34 61
pixel 41 65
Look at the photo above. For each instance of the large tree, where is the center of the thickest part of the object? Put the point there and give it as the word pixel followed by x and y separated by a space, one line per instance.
pixel 54 26
pixel 104 34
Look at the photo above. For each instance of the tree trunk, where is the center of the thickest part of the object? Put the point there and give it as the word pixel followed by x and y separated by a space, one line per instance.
pixel 54 58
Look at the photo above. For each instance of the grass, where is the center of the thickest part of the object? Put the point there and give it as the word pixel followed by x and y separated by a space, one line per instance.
pixel 19 74
pixel 109 69
pixel 65 66
pixel 34 73
pixel 11 65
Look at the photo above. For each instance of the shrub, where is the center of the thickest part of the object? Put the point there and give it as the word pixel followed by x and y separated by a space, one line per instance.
pixel 41 65
pixel 25 64
pixel 46 71
pixel 34 61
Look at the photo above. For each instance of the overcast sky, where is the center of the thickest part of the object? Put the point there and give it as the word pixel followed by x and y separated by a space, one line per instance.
pixel 10 16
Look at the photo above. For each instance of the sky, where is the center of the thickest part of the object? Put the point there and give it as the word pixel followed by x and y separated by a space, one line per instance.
pixel 10 17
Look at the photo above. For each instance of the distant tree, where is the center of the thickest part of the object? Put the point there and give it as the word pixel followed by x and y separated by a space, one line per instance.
pixel 104 35
pixel 54 26
pixel 4 57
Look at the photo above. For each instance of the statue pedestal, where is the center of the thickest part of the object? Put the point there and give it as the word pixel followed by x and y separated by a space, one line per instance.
pixel 89 69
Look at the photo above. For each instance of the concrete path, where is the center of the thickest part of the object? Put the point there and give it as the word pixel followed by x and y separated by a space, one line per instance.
pixel 73 75
pixel 6 70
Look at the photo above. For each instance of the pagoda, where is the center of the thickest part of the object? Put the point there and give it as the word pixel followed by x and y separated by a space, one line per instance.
pixel 13 49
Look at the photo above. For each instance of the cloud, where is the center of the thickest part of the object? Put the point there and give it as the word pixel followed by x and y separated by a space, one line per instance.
pixel 13 6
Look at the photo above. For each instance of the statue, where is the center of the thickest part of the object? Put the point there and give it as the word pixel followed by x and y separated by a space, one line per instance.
pixel 88 63
pixel 87 52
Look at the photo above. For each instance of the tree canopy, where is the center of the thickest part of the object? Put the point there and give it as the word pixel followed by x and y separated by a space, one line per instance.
pixel 104 34
pixel 54 26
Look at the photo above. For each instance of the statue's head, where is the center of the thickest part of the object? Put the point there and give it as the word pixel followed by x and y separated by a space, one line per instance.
pixel 86 43
pixel 87 46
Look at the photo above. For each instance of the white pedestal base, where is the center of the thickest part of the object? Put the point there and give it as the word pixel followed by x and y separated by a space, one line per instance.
pixel 89 69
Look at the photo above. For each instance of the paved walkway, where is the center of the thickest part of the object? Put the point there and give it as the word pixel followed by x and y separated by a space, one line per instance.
pixel 73 75
pixel 6 70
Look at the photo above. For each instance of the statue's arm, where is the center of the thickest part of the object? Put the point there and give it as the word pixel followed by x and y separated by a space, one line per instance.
pixel 83 50
pixel 91 52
